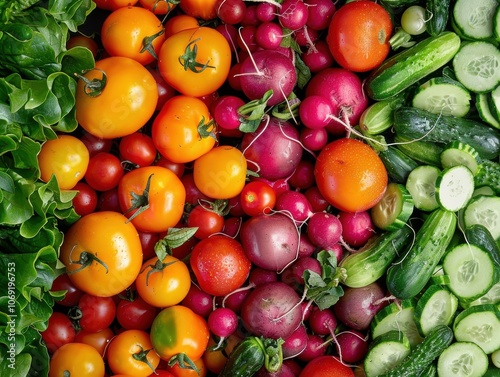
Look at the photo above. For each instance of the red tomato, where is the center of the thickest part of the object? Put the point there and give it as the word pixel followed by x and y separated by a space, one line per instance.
pixel 208 218
pixel 153 197
pixel 104 171
pixel 59 331
pixel 350 175
pixel 358 35
pixel 85 201
pixel 257 197
pixel 72 295
pixel 138 149
pixel 219 264
pixel 326 366
pixel 99 340
pixel 95 313
pixel 135 313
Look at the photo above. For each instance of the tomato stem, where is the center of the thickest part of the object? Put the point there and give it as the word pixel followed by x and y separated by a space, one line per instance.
pixel 157 267
pixel 188 59
pixel 184 362
pixel 206 129
pixel 140 202
pixel 142 356
pixel 94 87
pixel 84 261
pixel 147 43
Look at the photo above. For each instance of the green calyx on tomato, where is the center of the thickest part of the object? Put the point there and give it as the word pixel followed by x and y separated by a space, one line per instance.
pixel 188 59
pixel 142 356
pixel 147 43
pixel 140 202
pixel 85 260
pixel 206 129
pixel 93 87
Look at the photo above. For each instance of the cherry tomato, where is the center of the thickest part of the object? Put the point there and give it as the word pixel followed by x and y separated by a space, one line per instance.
pixel 72 295
pixel 358 35
pixel 65 157
pixel 163 284
pixel 131 352
pixel 148 242
pixel 99 340
pixel 95 313
pixel 204 9
pixel 95 144
pixel 179 332
pixel 208 218
pixel 135 313
pixel 350 175
pixel 177 167
pixel 85 201
pixel 221 172
pixel 59 331
pixel 76 359
pixel 124 105
pixel 153 197
pixel 326 366
pixel 165 91
pixel 180 22
pixel 138 149
pixel 104 171
pixel 196 62
pixel 159 6
pixel 133 32
pixel 219 264
pixel 183 130
pixel 257 197
pixel 83 41
pixel 102 253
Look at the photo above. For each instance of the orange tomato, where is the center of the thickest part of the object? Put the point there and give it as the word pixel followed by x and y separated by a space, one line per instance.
pixel 180 22
pixel 133 32
pixel 204 9
pixel 177 371
pixel 159 6
pixel 114 4
pixel 350 175
pixel 76 359
pixel 183 130
pixel 358 35
pixel 196 62
pixel 83 41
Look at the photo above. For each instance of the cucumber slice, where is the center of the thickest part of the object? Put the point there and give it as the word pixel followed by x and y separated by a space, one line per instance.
pixel 442 95
pixel 494 101
pixel 477 66
pixel 386 352
pixel 491 297
pixel 458 153
pixel 462 359
pixel 472 271
pixel 437 306
pixel 399 317
pixel 484 111
pixel 479 324
pixel 454 188
pixel 474 18
pixel 394 209
pixel 485 210
pixel 421 184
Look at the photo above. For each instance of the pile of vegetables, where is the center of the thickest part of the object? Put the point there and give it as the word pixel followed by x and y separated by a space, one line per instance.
pixel 243 188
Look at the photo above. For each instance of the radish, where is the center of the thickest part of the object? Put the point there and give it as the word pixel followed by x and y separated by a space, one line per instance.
pixel 272 310
pixel 317 200
pixel 295 343
pixel 352 346
pixel 300 265
pixel 225 111
pixel 273 150
pixel 293 14
pixel 259 276
pixel 315 347
pixel 266 12
pixel 303 176
pixel 314 111
pixel 357 227
pixel 284 371
pixel 198 301
pixel 313 140
pixel 306 247
pixel 324 229
pixel 320 13
pixel 268 35
pixel 270 241
pixel 344 89
pixel 318 57
pixel 295 204
pixel 230 12
pixel 267 70
pixel 222 322
pixel 322 321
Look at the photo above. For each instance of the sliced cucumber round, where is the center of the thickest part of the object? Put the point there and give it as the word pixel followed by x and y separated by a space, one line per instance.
pixel 462 359
pixel 437 306
pixel 386 352
pixel 485 210
pixel 473 19
pixel 421 184
pixel 454 188
pixel 458 153
pixel 394 209
pixel 484 110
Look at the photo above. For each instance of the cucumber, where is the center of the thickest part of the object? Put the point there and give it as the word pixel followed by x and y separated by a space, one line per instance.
pixel 421 184
pixel 494 101
pixel 496 25
pixel 476 66
pixel 397 164
pixel 462 359
pixel 437 306
pixel 399 3
pixel 370 262
pixel 410 273
pixel 439 11
pixel 394 209
pixel 458 153
pixel 379 116
pixel 454 188
pixel 473 19
pixel 472 271
pixel 423 354
pixel 405 68
pixel 399 317
pixel 484 210
pixel 413 123
pixel 386 352
pixel 480 236
pixel 442 95
pixel 431 371
pixel 479 324
pixel 491 297
pixel 425 152
pixel 488 174
pixel 484 110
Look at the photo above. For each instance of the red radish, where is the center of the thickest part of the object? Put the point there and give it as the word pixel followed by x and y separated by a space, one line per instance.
pixel 284 371
pixel 352 346
pixel 320 13
pixel 315 347
pixel 357 307
pixel 306 247
pixel 318 202
pixel 318 57
pixel 273 150
pixel 295 343
pixel 295 204
pixel 250 17
pixel 261 275
pixel 225 111
pixel 324 229
pixel 322 321
pixel 246 38
pixel 337 250
pixel 270 241
pixel 269 35
pixel 293 14
pixel 266 12
pixel 303 176
pixel 313 140
pixel 234 300
pixel 306 37
pixel 272 310
pixel 314 111
pixel 230 12
pixel 222 322
pixel 304 263
pixel 357 227
pixel 267 70
pixel 344 89
pixel 198 301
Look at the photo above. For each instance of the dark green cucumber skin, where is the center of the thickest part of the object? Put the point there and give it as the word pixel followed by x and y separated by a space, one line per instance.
pixel 410 273
pixel 245 359
pixel 481 237
pixel 488 175
pixel 438 19
pixel 424 353
pixel 431 371
pixel 378 253
pixel 413 123
pixel 399 3
pixel 404 69
pixel 397 164
pixel 425 152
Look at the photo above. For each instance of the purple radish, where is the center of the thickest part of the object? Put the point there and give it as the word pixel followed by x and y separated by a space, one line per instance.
pixel 322 321
pixel 320 13
pixel 313 139
pixel 324 229
pixel 295 343
pixel 269 35
pixel 293 14
pixel 318 57
pixel 295 204
pixel 314 111
pixel 357 228
pixel 304 263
